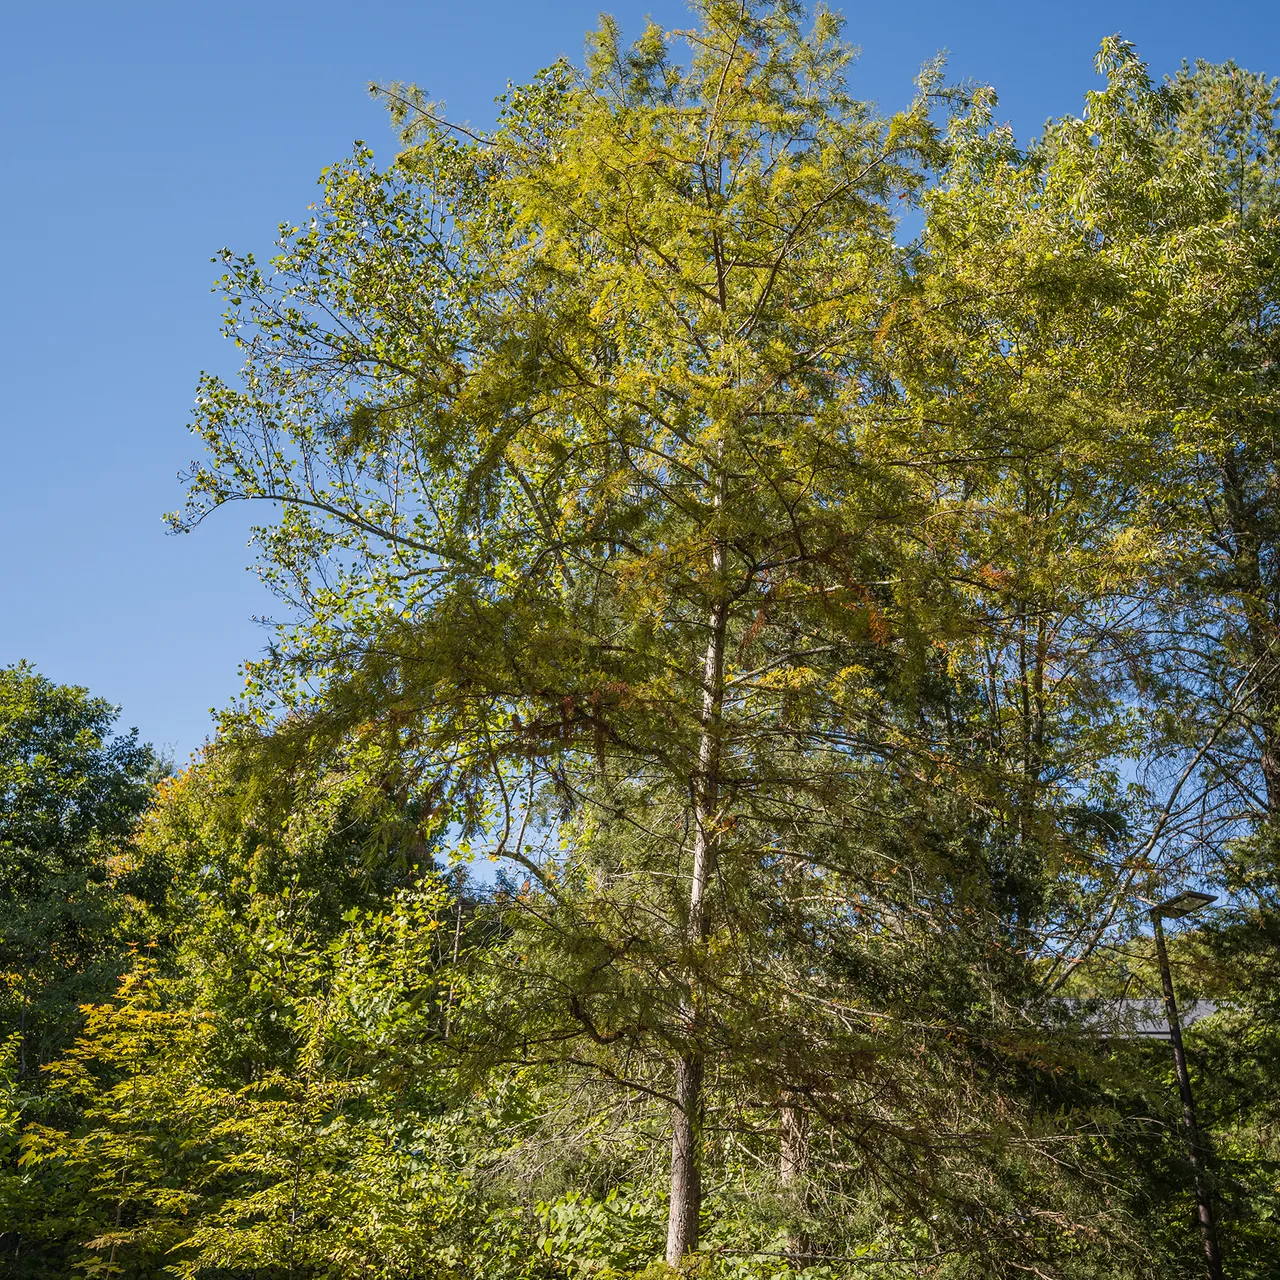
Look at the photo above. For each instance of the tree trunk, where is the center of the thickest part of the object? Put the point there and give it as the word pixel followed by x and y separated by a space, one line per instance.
pixel 686 1113
pixel 793 1164
pixel 793 1120
pixel 686 1162
pixel 793 1129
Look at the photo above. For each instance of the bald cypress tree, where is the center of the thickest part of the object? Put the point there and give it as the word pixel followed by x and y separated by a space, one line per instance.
pixel 658 513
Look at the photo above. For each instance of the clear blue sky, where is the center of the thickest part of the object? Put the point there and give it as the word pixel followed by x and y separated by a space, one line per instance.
pixel 139 137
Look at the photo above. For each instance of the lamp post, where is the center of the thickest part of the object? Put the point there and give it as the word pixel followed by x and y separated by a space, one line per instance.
pixel 1183 904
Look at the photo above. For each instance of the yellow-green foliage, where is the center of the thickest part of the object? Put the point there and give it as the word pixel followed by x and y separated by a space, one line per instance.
pixel 833 640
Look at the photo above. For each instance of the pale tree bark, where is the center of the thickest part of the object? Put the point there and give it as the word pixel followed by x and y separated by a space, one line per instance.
pixel 686 1114
pixel 793 1163
pixel 793 1134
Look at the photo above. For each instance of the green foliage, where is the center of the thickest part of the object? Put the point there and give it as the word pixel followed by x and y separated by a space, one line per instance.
pixel 832 640
pixel 70 796
pixel 774 596
pixel 242 1102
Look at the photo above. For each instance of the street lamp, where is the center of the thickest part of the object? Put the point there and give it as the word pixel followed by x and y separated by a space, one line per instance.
pixel 1184 904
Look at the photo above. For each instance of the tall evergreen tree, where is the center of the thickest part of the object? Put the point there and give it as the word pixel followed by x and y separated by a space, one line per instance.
pixel 772 595
pixel 598 481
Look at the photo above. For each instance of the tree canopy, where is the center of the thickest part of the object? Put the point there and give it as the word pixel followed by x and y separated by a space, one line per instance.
pixel 837 639
pixel 71 795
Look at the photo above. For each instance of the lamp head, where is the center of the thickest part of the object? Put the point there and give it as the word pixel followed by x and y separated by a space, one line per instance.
pixel 1183 904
